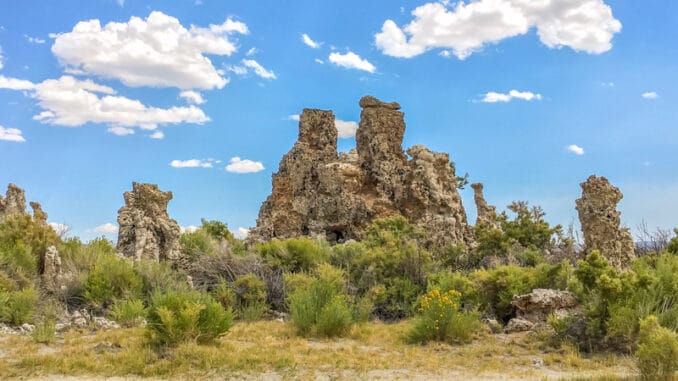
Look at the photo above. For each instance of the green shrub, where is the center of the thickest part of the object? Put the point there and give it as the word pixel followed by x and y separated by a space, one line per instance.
pixel 673 244
pixel 128 313
pixel 34 235
pixel 296 281
pixel 197 244
pixel 496 287
pixel 159 277
pixel 44 332
pixel 179 316
pixel 439 318
pixel 657 351
pixel 445 281
pixel 111 279
pixel 223 293
pixel 320 309
pixel 249 289
pixel 19 306
pixel 294 254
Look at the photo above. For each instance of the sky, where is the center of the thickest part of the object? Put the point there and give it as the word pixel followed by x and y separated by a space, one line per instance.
pixel 201 96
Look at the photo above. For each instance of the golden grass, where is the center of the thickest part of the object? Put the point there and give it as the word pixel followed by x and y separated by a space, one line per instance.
pixel 270 346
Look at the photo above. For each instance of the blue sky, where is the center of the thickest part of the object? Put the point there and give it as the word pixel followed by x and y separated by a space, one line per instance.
pixel 528 97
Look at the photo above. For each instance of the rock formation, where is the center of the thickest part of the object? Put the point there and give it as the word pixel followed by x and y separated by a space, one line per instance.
pixel 318 192
pixel 52 275
pixel 600 222
pixel 146 231
pixel 487 214
pixel 14 201
pixel 534 309
pixel 39 215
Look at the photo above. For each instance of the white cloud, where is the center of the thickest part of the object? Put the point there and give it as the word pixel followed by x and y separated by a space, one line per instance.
pixel 107 228
pixel 241 233
pixel 192 163
pixel 34 40
pixel 121 2
pixel 308 41
pixel 346 129
pixel 237 165
pixel 15 84
pixel 318 60
pixel 258 69
pixel 351 60
pixel 575 149
pixel 294 117
pixel 650 95
pixel 188 229
pixel 466 27
pixel 71 102
pixel 59 228
pixel 157 51
pixel 11 135
pixel 494 97
pixel 251 52
pixel 192 97
pixel 445 53
pixel 157 135
pixel 120 131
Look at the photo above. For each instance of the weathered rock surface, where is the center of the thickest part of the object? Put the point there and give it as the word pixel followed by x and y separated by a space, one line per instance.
pixel 487 214
pixel 534 309
pixel 14 201
pixel 145 229
pixel 600 222
pixel 318 192
pixel 53 277
pixel 39 215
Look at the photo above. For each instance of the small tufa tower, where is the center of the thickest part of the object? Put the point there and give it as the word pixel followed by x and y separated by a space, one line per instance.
pixel 146 230
pixel 600 222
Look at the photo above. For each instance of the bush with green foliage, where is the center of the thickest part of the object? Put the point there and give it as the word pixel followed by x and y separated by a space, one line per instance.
pixel 111 279
pixel 159 277
pixel 657 351
pixel 179 316
pixel 673 244
pixel 294 254
pixel 18 307
pixel 440 318
pixel 250 297
pixel 35 236
pixel 321 308
pixel 128 313
pixel 44 332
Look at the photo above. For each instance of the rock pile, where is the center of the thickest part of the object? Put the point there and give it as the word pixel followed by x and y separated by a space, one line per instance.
pixel 318 192
pixel 146 230
pixel 600 222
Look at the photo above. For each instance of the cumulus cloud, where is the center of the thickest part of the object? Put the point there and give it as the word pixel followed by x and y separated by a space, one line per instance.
pixel 59 228
pixel 351 60
pixel 192 163
pixel 258 69
pixel 192 97
pixel 11 135
pixel 188 229
pixel 15 84
pixel 107 228
pixel 34 40
pixel 318 60
pixel 241 233
pixel 308 41
pixel 238 165
pixel 294 117
pixel 252 51
pixel 157 135
pixel 466 27
pixel 650 95
pixel 71 102
pixel 157 51
pixel 494 97
pixel 346 129
pixel 575 149
pixel 120 131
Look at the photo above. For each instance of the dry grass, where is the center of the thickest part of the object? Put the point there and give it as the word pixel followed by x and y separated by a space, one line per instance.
pixel 249 350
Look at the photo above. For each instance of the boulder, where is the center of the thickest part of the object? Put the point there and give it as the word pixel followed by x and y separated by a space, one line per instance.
pixel 539 304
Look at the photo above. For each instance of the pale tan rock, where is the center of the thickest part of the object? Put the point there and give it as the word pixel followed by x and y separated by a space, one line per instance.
pixel 145 229
pixel 600 222
pixel 539 304
pixel 317 192
pixel 487 214
pixel 14 201
pixel 39 215
pixel 52 275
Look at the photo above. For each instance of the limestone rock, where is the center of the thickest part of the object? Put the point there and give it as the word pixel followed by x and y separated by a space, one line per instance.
pixel 52 274
pixel 145 229
pixel 14 201
pixel 317 192
pixel 539 304
pixel 518 325
pixel 487 214
pixel 600 222
pixel 39 215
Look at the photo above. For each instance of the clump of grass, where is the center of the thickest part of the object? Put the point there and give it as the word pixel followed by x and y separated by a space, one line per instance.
pixel 128 313
pixel 44 332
